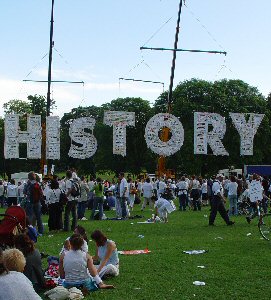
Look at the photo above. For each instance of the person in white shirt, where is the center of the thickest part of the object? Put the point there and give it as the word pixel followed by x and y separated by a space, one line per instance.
pixel 163 207
pixel 20 192
pixel 82 201
pixel 91 194
pixel 71 204
pixel 232 195
pixel 195 193
pixel 161 187
pixel 12 193
pixel 54 207
pixel 124 194
pixel 131 198
pixel 182 187
pixel 255 196
pixel 14 284
pixel 2 191
pixel 218 202
pixel 147 189
pixel 204 192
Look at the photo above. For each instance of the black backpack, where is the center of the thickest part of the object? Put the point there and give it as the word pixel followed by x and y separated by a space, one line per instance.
pixel 76 189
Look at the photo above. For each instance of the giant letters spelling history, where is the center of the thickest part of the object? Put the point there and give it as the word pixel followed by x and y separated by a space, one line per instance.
pixel 84 143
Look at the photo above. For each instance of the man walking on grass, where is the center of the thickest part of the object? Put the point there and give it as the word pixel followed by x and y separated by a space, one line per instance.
pixel 218 202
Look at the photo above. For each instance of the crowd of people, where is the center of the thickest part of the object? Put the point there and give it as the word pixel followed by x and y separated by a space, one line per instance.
pixel 71 195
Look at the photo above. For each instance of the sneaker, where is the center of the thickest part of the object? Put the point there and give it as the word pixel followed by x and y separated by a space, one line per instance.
pixel 248 220
pixel 231 223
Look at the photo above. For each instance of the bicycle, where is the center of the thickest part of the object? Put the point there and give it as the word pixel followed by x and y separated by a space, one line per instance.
pixel 264 224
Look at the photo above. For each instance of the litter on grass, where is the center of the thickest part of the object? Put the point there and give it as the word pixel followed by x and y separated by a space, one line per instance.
pixel 141 236
pixel 134 252
pixel 199 283
pixel 195 252
pixel 201 267
pixel 219 238
pixel 146 222
pixel 205 216
pixel 248 234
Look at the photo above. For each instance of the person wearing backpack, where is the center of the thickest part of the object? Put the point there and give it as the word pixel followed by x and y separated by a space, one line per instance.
pixel 34 194
pixel 72 190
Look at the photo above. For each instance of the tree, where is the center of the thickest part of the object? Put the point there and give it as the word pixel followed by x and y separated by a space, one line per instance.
pixel 222 97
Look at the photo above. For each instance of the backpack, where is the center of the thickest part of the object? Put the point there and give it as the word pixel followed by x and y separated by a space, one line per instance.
pixel 36 193
pixel 76 189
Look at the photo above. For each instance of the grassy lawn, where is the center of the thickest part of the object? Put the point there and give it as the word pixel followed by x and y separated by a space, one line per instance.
pixel 237 265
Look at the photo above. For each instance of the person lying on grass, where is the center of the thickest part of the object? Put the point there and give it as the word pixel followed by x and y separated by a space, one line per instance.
pixel 78 230
pixel 15 285
pixel 107 254
pixel 76 266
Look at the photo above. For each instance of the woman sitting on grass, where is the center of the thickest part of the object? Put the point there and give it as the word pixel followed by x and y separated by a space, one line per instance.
pixel 76 266
pixel 14 284
pixel 78 230
pixel 107 254
pixel 33 268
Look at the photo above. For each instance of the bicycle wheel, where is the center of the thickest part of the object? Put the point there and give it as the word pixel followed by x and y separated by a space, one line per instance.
pixel 265 226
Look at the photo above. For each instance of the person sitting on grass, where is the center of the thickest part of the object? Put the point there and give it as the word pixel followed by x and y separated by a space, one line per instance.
pixel 14 284
pixel 78 230
pixel 33 268
pixel 107 254
pixel 76 267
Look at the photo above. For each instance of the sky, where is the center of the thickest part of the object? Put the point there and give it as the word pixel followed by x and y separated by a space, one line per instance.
pixel 99 42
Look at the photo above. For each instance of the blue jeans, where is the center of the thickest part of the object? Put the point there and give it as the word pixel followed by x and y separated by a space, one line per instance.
pixel 33 211
pixel 70 208
pixel 233 205
pixel 97 203
pixel 81 208
pixel 123 203
pixel 89 284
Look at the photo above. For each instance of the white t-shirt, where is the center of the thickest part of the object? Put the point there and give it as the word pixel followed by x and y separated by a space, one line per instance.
pixel 217 188
pixel 232 188
pixel 183 187
pixel 16 286
pixel 204 188
pixel 195 184
pixel 84 248
pixel 91 185
pixel 21 190
pixel 162 186
pixel 255 191
pixel 147 189
pixel 67 187
pixel 52 196
pixel 12 190
pixel 2 189
pixel 123 185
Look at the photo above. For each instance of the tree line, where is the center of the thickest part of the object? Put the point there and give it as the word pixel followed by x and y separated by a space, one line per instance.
pixel 192 95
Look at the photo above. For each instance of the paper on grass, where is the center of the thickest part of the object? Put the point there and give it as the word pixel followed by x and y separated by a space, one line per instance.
pixel 192 252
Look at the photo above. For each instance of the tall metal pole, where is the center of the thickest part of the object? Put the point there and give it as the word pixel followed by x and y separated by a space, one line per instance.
pixel 161 168
pixel 48 105
pixel 174 57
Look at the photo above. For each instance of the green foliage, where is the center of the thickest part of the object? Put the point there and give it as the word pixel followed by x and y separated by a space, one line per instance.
pixel 220 97
pixel 189 96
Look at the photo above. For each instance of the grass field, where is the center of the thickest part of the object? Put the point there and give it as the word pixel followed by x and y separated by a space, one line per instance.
pixel 237 264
